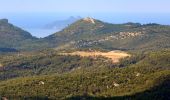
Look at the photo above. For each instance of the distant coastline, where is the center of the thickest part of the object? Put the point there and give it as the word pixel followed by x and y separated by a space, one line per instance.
pixel 41 33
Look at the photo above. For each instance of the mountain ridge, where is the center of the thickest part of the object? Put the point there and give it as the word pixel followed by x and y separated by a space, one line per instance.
pixel 90 33
pixel 80 66
pixel 61 24
pixel 120 36
pixel 12 36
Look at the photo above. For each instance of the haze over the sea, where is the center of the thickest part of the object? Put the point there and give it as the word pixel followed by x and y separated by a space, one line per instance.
pixel 34 14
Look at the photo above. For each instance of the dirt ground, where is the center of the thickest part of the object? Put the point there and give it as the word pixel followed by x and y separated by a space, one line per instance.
pixel 115 56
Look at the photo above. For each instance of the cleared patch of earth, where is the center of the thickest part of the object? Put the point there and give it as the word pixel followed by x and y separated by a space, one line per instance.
pixel 115 56
pixel 1 65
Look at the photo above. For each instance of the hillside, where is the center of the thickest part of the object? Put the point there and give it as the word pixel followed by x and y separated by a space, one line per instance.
pixel 115 56
pixel 84 29
pixel 64 73
pixel 12 36
pixel 143 76
pixel 116 50
pixel 13 39
pixel 92 33
pixel 89 33
pixel 45 62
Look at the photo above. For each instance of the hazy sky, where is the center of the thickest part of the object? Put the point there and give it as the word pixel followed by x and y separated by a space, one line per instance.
pixel 91 6
pixel 31 15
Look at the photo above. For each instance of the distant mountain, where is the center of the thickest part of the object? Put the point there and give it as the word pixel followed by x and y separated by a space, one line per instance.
pixel 88 26
pixel 61 24
pixel 84 29
pixel 12 36
pixel 92 33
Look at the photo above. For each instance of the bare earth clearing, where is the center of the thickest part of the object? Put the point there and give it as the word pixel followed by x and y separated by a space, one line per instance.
pixel 1 65
pixel 115 56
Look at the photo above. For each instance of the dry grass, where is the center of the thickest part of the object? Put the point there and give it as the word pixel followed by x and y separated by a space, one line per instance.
pixel 1 65
pixel 115 56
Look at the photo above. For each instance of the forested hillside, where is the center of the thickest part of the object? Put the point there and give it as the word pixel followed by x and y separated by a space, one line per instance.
pixel 142 76
pixel 89 33
pixel 77 62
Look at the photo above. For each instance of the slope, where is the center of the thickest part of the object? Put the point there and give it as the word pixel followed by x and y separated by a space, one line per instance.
pixel 84 29
pixel 12 36
pixel 92 33
pixel 139 80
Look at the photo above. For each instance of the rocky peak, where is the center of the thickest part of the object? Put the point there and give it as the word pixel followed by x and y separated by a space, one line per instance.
pixel 90 20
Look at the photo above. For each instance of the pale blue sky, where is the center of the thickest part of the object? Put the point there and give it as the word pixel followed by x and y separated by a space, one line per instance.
pixel 34 14
pixel 90 6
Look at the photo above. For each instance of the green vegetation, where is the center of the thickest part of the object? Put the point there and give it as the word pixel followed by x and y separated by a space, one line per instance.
pixel 14 39
pixel 45 62
pixel 48 75
pixel 139 77
pixel 12 36
pixel 129 36
pixel 83 35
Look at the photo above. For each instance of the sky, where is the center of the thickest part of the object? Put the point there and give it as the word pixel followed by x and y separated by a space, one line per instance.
pixel 31 14
pixel 127 6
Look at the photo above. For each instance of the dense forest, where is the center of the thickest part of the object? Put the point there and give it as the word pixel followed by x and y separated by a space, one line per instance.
pixel 144 75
